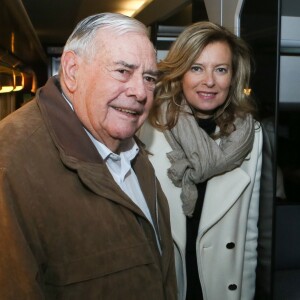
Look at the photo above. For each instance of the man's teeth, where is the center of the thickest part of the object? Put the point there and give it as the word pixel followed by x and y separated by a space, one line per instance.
pixel 126 111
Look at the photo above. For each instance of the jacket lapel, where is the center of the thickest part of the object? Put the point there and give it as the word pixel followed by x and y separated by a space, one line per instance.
pixel 146 181
pixel 221 193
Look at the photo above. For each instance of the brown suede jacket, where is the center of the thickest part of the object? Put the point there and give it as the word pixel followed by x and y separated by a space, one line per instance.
pixel 67 231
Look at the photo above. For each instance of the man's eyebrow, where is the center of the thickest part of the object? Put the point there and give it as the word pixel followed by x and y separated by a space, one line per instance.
pixel 132 67
pixel 152 72
pixel 125 64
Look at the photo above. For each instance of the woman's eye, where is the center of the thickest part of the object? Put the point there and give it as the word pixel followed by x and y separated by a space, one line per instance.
pixel 222 70
pixel 196 68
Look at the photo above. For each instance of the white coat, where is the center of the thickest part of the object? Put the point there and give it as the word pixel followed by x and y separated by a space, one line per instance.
pixel 227 237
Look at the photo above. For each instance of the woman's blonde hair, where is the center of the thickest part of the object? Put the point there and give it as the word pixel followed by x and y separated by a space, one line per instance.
pixel 183 53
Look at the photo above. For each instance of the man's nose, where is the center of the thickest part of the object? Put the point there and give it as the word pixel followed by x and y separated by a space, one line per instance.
pixel 136 87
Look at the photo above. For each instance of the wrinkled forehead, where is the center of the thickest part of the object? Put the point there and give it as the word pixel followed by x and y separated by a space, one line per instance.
pixel 128 37
pixel 134 48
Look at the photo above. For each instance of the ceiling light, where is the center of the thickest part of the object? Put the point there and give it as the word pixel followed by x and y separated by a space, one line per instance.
pixel 132 8
pixel 18 81
pixel 6 83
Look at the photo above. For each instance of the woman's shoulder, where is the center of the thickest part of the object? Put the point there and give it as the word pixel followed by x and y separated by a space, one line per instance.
pixel 153 139
pixel 258 133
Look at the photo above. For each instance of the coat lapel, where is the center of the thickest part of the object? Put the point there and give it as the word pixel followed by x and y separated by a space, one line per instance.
pixel 221 193
pixel 148 184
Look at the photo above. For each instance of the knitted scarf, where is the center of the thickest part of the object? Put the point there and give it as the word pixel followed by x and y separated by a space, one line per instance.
pixel 196 157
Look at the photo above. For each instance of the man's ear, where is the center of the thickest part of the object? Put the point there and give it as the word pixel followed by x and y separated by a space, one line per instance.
pixel 69 65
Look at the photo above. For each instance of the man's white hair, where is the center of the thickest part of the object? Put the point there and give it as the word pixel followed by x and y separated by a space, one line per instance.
pixel 81 39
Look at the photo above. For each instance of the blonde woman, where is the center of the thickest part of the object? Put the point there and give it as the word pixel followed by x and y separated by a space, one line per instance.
pixel 206 149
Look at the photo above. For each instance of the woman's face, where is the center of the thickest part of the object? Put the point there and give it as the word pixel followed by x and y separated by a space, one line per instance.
pixel 206 84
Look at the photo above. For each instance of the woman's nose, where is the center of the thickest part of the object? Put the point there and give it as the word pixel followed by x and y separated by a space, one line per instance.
pixel 209 79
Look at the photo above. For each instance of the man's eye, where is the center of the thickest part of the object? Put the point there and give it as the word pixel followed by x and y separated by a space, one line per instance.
pixel 122 71
pixel 150 79
pixel 150 82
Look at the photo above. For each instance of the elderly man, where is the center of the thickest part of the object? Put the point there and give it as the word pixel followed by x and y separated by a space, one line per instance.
pixel 82 215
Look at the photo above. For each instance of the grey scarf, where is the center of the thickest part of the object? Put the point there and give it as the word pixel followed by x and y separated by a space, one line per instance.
pixel 197 157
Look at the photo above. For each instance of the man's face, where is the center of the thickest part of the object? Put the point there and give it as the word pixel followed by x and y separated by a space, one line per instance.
pixel 114 88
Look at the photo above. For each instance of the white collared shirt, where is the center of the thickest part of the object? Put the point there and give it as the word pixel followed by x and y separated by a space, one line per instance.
pixel 122 172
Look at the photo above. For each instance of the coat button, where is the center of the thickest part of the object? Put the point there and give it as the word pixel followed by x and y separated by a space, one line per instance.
pixel 232 287
pixel 230 245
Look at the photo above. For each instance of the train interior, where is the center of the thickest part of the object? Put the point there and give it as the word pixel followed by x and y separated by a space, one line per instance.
pixel 33 34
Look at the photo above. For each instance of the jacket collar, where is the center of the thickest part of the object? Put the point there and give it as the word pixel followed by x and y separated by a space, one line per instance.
pixel 63 124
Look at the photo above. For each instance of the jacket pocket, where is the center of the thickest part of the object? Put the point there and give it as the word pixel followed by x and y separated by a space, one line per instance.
pixel 101 264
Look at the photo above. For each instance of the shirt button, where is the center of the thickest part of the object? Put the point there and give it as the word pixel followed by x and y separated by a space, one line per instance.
pixel 230 245
pixel 232 287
